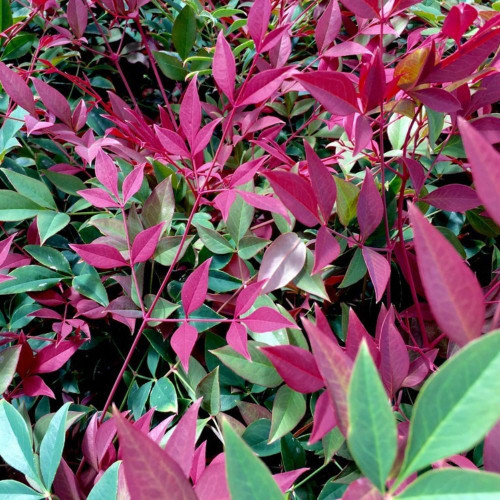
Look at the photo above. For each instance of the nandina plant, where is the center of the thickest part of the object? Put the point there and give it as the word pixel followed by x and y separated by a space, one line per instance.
pixel 249 250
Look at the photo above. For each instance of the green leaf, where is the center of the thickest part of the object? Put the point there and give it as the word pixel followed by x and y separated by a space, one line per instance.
pixel 107 486
pixel 215 242
pixel 355 271
pixel 372 437
pixel 258 371
pixel 457 405
pixel 8 363
pixel 15 442
pixel 16 207
pixel 163 396
pixel 50 223
pixel 436 123
pixel 69 184
pixel 256 435
pixel 49 257
pixel 52 445
pixel 170 66
pixel 184 31
pixel 163 308
pixel 19 46
pixel 240 218
pixel 250 246
pixel 160 205
pixel 30 279
pixel 14 490
pixel 288 409
pixel 221 282
pixel 138 397
pixel 89 284
pixel 5 15
pixel 167 248
pixel 33 189
pixel 309 283
pixel 453 484
pixel 209 389
pixel 247 477
pixel 347 199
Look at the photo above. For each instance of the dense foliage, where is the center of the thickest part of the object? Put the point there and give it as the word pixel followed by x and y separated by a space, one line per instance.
pixel 249 250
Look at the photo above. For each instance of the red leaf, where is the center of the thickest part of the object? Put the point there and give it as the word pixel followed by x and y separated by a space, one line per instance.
pixel 394 360
pixel 296 194
pixel 51 358
pixel 379 270
pixel 367 9
pixel 437 99
pixel 491 453
pixel 106 172
pixel 458 20
pixel 322 182
pixel 145 243
pixel 183 341
pixel 417 173
pixel 149 471
pixel 453 292
pixel 370 206
pixel 323 417
pixel 258 21
pixel 100 256
pixel 194 291
pixel 190 113
pixel 17 89
pixel 265 320
pixel 98 197
pixel 332 89
pixel 237 338
pixel 180 446
pixel 54 101
pixel 247 297
pixel 77 14
pixel 328 26
pixel 296 367
pixel 372 82
pixel 35 386
pixel 356 332
pixel 453 198
pixel 172 142
pixel 132 183
pixel 326 249
pixel 484 160
pixel 223 67
pixel 262 86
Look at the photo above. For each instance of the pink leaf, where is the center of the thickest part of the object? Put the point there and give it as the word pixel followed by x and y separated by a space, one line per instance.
pixel 363 133
pixel 212 485
pixel 199 462
pixel 190 113
pixel 347 49
pixel 286 479
pixel 106 172
pixel 237 338
pixel 54 356
pixel 204 136
pixel 245 172
pixel 282 261
pixel 491 452
pixel 54 101
pixel 223 67
pixel 100 256
pixel 356 332
pixel 296 367
pixel 17 89
pixel 273 38
pixel 378 269
pixel 326 249
pixel 328 26
pixel 453 198
pixel 133 182
pixel 394 360
pixel 296 194
pixel 264 203
pixel 437 99
pixel 258 21
pixel 98 197
pixel 265 320
pixel 77 17
pixel 149 471
pixel 172 142
pixel 332 89
pixel 194 291
pixel 183 341
pixel 453 292
pixel 180 446
pixel 362 489
pixel 322 182
pixel 370 206
pixel 323 417
pixel 484 160
pixel 5 248
pixel 262 86
pixel 145 243
pixel 419 368
pixel 247 297
pixel 334 365
pixel 35 386
pixel 417 173
pixel 367 9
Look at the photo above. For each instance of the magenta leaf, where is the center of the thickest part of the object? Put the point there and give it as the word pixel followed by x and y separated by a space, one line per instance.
pixel 100 256
pixel 132 183
pixel 258 20
pixel 372 82
pixel 356 333
pixel 224 68
pixel 237 338
pixel 183 341
pixel 326 249
pixel 54 101
pixel 491 452
pixel 328 26
pixel 264 202
pixel 370 206
pixel 77 14
pixel 17 89
pixel 194 291
pixel 285 480
pixel 453 198
pixel 204 136
pixel 458 20
pixel 54 356
pixel 296 194
pixel 149 471
pixel 332 89
pixel 247 297
pixel 323 418
pixel 106 172
pixel 322 182
pixel 5 248
pixel 437 99
pixel 484 159
pixel 296 367
pixel 417 173
pixel 35 386
pixel 190 113
pixel 98 197
pixel 145 243
pixel 172 142
pixel 363 8
pixel 453 292
pixel 362 488
pixel 419 368
pixel 265 320
pixel 378 269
